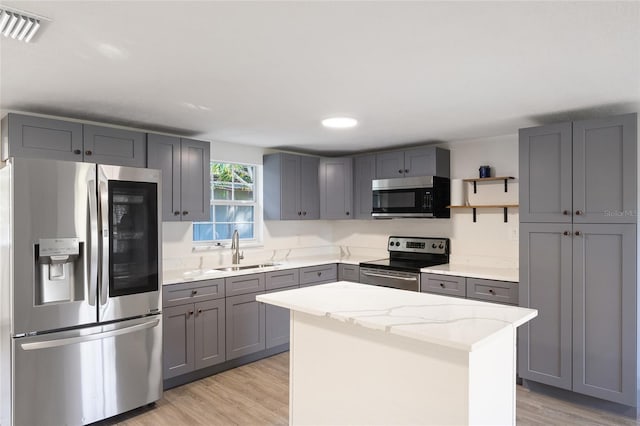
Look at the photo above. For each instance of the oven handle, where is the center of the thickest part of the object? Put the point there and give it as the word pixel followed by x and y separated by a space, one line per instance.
pixel 370 274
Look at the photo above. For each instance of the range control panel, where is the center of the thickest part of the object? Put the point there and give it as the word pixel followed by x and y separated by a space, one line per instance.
pixel 419 245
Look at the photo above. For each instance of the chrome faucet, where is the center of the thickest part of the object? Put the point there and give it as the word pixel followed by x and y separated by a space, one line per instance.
pixel 235 248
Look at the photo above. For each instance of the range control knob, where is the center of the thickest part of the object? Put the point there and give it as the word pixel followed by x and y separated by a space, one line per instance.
pixel 391 243
pixel 434 245
pixel 397 243
pixel 441 246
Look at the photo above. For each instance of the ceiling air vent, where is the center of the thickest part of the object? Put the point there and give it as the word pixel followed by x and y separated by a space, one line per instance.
pixel 18 25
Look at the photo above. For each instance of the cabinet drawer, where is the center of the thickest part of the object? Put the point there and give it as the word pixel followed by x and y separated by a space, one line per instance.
pixel 349 273
pixel 492 291
pixel 444 284
pixel 244 284
pixel 280 279
pixel 318 274
pixel 178 294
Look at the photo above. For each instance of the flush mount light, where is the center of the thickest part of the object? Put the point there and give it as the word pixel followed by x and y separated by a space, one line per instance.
pixel 19 25
pixel 339 122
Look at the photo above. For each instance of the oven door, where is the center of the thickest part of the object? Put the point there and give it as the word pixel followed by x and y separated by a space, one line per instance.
pixel 130 243
pixel 389 278
pixel 405 202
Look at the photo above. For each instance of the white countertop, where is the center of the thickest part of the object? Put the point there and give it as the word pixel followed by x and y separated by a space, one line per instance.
pixel 453 322
pixel 181 276
pixel 473 271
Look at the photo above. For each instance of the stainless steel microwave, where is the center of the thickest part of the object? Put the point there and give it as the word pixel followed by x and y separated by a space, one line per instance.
pixel 419 196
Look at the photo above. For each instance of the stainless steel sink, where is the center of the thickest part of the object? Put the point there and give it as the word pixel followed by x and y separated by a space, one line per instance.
pixel 243 267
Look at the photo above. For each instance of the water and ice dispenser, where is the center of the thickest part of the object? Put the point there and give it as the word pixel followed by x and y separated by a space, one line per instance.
pixel 59 270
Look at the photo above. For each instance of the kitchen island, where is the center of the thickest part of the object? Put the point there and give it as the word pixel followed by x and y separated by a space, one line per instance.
pixel 364 354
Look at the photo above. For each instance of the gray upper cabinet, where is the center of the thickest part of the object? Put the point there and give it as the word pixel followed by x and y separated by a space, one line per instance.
pixel 420 161
pixel 364 172
pixel 604 170
pixel 582 172
pixel 545 173
pixel 37 137
pixel 108 145
pixel 604 311
pixel 185 165
pixel 291 187
pixel 336 188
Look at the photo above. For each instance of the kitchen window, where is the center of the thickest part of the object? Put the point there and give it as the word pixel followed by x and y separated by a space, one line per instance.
pixel 234 205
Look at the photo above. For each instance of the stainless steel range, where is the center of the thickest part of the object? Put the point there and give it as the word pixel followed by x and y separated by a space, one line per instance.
pixel 407 255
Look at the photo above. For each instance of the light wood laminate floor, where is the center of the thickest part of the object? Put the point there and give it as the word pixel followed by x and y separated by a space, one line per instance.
pixel 258 394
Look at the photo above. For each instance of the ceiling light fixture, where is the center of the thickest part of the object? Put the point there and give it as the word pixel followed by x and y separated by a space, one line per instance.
pixel 19 25
pixel 339 122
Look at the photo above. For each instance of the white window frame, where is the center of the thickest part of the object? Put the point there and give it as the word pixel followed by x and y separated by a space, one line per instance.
pixel 256 241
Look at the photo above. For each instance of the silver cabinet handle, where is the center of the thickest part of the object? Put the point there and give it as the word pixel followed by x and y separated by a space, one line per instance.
pixel 89 337
pixel 370 274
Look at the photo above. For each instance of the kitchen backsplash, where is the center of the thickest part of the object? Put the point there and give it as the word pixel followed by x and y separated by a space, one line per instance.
pixel 489 241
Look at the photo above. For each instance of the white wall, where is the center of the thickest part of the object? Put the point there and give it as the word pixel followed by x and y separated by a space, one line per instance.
pixel 489 239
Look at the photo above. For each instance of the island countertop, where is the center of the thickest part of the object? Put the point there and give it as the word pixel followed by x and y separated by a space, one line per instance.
pixel 453 322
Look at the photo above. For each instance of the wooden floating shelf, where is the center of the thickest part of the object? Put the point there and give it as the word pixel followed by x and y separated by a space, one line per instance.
pixel 489 179
pixel 488 206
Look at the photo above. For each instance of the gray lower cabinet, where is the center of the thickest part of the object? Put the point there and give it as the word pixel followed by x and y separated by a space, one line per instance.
pixel 277 323
pixel 364 171
pixel 420 161
pixel 243 284
pixel 291 187
pixel 185 165
pixel 582 280
pixel 336 188
pixel 314 275
pixel 245 325
pixel 38 137
pixel 492 291
pixel 348 272
pixel 193 330
pixel 447 285
pixel 282 279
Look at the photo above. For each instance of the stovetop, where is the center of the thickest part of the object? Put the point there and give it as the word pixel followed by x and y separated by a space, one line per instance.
pixel 411 254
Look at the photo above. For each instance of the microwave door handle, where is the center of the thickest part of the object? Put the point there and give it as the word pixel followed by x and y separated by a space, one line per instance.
pixel 104 226
pixel 93 242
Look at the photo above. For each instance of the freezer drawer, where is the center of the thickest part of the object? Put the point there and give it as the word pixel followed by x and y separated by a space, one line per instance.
pixel 82 376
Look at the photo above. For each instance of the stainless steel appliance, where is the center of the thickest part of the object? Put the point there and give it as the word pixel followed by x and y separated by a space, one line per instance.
pixel 81 335
pixel 418 196
pixel 407 255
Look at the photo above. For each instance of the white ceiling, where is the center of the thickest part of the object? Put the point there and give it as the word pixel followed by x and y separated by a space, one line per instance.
pixel 265 73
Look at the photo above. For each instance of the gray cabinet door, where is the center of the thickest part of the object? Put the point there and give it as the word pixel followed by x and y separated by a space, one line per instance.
pixel 108 145
pixel 544 344
pixel 197 291
pixel 348 272
pixel 390 164
pixel 195 180
pixel 322 274
pixel 309 188
pixel 177 341
pixel 364 173
pixel 336 188
pixel 163 153
pixel 545 174
pixel 504 292
pixel 37 137
pixel 245 325
pixel 426 161
pixel 604 311
pixel 209 329
pixel 604 170
pixel 277 324
pixel 290 184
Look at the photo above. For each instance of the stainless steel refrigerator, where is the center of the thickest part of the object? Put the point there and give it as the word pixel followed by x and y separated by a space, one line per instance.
pixel 80 292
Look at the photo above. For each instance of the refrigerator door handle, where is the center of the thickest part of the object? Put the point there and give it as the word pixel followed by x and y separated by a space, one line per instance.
pixel 93 242
pixel 103 195
pixel 53 343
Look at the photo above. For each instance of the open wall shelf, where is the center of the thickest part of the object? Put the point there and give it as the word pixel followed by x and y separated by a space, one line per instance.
pixel 505 207
pixel 506 179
